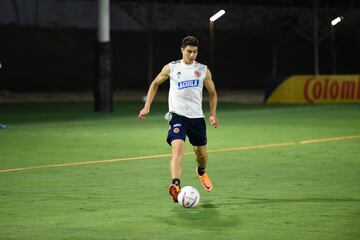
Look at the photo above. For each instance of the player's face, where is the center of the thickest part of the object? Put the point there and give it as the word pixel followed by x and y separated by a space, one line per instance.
pixel 189 54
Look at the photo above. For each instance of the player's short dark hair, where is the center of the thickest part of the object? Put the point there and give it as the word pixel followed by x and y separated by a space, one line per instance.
pixel 189 41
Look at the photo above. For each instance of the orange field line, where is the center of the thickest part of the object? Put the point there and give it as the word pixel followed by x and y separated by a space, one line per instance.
pixel 330 139
pixel 85 163
pixel 142 157
pixel 253 147
pixel 187 153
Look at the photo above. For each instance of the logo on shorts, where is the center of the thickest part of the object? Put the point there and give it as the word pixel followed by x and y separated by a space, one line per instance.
pixel 177 125
pixel 176 130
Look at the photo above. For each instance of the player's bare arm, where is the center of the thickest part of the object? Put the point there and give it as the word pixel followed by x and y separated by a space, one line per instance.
pixel 160 78
pixel 210 86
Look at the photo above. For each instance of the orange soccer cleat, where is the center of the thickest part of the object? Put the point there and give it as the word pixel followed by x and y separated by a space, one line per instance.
pixel 205 181
pixel 174 191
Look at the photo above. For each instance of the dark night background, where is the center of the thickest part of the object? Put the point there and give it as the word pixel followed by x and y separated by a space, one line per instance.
pixel 48 45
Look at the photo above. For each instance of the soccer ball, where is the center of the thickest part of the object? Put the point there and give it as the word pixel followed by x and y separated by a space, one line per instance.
pixel 188 197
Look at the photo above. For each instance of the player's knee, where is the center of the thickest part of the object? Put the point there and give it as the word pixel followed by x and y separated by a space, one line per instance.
pixel 178 153
pixel 201 155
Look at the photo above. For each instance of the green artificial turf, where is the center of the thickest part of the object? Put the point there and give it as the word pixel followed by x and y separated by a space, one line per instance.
pixel 293 191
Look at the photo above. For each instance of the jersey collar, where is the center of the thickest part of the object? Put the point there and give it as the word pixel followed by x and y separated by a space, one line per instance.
pixel 187 65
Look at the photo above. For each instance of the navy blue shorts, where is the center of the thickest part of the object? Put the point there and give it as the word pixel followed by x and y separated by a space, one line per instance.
pixel 194 128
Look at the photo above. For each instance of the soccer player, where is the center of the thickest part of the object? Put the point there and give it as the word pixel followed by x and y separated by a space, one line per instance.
pixel 186 118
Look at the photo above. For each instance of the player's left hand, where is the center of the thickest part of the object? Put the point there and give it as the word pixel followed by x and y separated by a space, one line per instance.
pixel 213 121
pixel 143 113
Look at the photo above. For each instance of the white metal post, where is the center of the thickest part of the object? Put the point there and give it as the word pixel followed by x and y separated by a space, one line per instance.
pixel 103 92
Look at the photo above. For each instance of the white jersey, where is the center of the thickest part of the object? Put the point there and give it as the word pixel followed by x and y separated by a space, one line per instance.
pixel 186 85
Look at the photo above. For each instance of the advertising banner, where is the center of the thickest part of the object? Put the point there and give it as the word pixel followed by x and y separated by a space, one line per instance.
pixel 302 89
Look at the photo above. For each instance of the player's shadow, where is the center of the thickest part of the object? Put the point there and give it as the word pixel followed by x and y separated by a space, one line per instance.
pixel 206 216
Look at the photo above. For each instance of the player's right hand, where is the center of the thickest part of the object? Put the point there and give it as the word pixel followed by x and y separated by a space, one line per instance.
pixel 143 113
pixel 214 121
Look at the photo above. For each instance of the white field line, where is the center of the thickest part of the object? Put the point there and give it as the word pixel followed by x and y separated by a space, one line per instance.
pixel 187 153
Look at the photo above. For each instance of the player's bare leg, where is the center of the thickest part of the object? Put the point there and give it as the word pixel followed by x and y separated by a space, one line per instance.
pixel 176 167
pixel 178 147
pixel 201 159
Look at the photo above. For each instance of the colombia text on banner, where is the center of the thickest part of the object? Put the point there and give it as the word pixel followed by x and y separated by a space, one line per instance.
pixel 301 89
